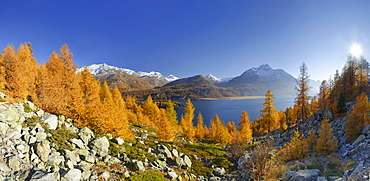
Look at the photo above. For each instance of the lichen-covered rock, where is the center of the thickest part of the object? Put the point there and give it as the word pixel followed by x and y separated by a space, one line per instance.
pixel 187 161
pixel 14 162
pixel 86 135
pixel 100 146
pixel 44 176
pixel 136 165
pixel 219 171
pixel 303 175
pixel 51 120
pixel 172 175
pixel 164 150
pixel 118 141
pixel 72 175
pixel 42 149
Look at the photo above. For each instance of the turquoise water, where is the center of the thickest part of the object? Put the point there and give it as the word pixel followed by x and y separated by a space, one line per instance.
pixel 230 110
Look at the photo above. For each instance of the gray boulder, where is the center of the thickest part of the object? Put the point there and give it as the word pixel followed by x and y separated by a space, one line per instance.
pixel 187 161
pixel 172 175
pixel 219 171
pixel 3 128
pixel 8 113
pixel 72 175
pixel 136 165
pixel 68 155
pixel 303 175
pixel 118 141
pixel 359 139
pixel 42 149
pixel 366 129
pixel 164 150
pixel 86 135
pixel 44 176
pixel 214 179
pixel 100 146
pixel 3 166
pixel 14 163
pixel 50 119
pixel 78 143
pixel 361 172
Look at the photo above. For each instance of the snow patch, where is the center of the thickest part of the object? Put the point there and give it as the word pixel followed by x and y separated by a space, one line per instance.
pixel 104 69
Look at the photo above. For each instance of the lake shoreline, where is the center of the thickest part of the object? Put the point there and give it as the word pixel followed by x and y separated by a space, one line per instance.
pixel 232 98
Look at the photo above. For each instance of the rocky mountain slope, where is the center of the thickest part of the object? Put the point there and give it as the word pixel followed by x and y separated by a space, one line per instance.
pixel 126 79
pixel 191 87
pixel 254 81
pixel 35 145
pixel 265 78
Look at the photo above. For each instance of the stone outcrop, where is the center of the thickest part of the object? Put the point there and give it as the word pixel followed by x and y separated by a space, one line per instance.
pixel 27 151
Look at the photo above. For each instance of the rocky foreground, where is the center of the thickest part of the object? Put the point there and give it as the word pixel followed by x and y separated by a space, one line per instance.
pixel 35 145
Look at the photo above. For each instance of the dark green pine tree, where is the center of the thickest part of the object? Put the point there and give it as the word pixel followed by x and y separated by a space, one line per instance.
pixel 341 104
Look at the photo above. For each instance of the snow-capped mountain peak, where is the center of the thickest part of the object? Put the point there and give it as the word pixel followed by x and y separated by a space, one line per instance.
pixel 171 78
pixel 266 72
pixel 212 78
pixel 103 69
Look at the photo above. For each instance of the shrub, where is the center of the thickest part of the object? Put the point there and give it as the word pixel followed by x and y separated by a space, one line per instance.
pixel 259 160
pixel 222 162
pixel 151 175
pixel 276 171
pixel 61 136
pixel 27 108
pixel 31 123
pixel 115 149
pixel 198 168
pixel 138 152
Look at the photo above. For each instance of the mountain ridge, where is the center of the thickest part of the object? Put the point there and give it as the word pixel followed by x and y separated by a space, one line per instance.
pixel 252 82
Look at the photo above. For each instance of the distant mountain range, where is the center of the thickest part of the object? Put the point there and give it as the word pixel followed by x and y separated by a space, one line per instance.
pixel 253 82
pixel 127 79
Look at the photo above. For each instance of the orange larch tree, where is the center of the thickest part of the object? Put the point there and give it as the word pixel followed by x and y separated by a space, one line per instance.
pixel 90 88
pixel 186 121
pixel 165 127
pixel 358 118
pixel 245 129
pixel 200 130
pixel 326 142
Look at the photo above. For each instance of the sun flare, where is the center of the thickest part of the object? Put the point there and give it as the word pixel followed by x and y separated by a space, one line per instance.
pixel 356 50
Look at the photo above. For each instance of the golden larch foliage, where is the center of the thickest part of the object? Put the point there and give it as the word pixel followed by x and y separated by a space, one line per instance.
pixel 186 121
pixel 295 149
pixel 90 88
pixel 326 142
pixel 282 121
pixel 231 129
pixel 245 129
pixel 165 127
pixel 219 131
pixel 358 118
pixel 268 114
pixel 151 110
pixel 171 114
pixel 201 128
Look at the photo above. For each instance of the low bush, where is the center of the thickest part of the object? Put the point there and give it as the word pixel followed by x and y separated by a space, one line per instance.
pixel 60 137
pixel 151 175
pixel 222 162
pixel 198 168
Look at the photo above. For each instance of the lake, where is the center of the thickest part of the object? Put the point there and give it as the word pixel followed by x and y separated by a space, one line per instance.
pixel 230 110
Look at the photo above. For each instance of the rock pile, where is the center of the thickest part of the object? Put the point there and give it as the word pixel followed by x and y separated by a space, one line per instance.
pixel 28 150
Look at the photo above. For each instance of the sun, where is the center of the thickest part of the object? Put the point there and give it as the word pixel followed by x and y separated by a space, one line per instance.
pixel 356 50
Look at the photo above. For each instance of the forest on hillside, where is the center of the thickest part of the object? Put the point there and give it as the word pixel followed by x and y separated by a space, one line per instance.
pixel 58 88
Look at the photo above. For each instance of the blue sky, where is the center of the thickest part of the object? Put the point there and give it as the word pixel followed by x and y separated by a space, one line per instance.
pixel 190 37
